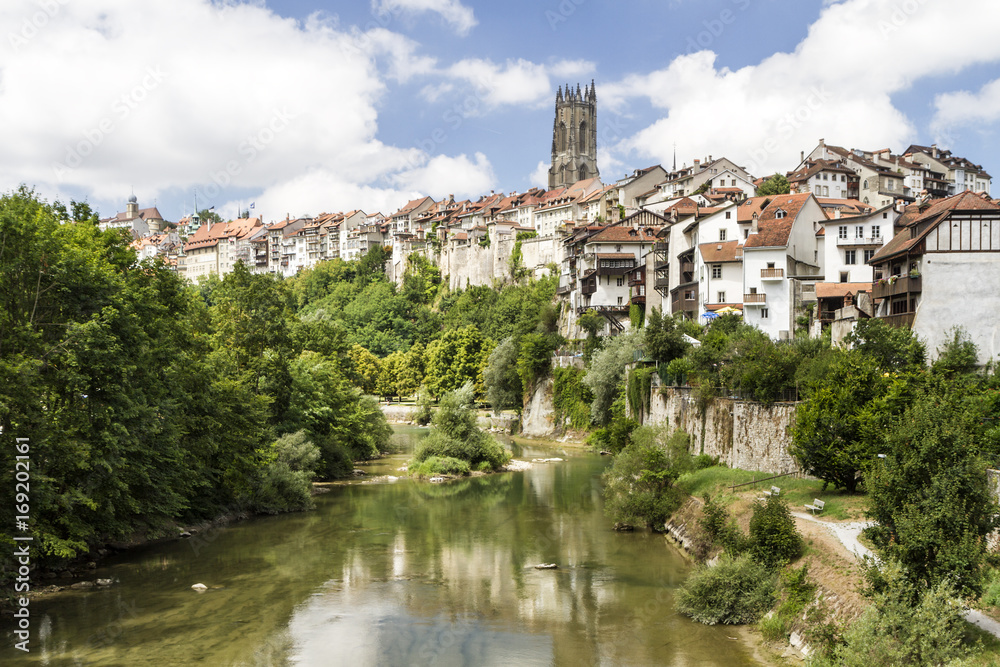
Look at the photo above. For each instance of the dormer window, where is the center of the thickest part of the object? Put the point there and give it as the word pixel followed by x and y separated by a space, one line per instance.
pixel 780 213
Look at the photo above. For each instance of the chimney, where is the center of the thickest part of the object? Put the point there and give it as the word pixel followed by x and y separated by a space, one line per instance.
pixel 802 156
pixel 697 162
pixel 836 214
pixel 934 150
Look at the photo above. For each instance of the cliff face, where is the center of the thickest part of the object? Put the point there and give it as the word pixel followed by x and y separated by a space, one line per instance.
pixel 746 435
pixel 536 421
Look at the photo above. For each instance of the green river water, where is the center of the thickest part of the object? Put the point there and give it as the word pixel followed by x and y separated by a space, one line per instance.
pixel 396 573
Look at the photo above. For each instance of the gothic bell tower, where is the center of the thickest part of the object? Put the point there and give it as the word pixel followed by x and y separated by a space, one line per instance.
pixel 574 136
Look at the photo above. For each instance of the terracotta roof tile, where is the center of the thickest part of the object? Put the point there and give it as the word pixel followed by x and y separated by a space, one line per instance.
pixel 773 231
pixel 839 290
pixel 726 251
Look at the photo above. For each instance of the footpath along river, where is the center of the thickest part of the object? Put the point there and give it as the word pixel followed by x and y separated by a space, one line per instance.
pixel 396 573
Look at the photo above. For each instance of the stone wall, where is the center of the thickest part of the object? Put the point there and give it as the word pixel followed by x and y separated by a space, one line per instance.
pixel 746 435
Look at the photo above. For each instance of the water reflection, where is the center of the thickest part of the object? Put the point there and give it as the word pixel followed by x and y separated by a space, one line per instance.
pixel 399 573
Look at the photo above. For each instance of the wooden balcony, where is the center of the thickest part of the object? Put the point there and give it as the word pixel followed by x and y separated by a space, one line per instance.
pixel 661 283
pixel 755 298
pixel 901 285
pixel 772 274
pixel 661 246
pixel 900 320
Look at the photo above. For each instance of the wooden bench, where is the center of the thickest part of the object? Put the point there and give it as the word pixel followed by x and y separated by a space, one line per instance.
pixel 775 491
pixel 817 506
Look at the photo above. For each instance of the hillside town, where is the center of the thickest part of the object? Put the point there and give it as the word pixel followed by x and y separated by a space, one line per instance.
pixel 854 234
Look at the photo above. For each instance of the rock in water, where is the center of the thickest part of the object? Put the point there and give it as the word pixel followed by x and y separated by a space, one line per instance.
pixel 104 582
pixel 201 588
pixel 547 566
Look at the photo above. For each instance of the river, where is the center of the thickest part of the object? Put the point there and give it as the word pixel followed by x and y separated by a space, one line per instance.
pixel 396 573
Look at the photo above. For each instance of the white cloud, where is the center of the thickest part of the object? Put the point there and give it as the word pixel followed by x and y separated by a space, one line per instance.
pixel 452 11
pixel 962 108
pixel 514 82
pixel 443 175
pixel 763 115
pixel 228 98
pixel 540 176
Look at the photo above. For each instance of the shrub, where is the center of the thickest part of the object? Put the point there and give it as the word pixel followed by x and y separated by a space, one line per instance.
pixel 734 592
pixel 424 412
pixel 639 484
pixel 457 436
pixel 720 529
pixel 440 465
pixel 571 398
pixel 774 539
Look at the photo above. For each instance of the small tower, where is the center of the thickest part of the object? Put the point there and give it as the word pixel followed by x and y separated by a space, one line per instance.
pixel 574 136
pixel 132 208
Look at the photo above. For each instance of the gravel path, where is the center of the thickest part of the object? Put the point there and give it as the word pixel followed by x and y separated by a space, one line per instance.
pixel 848 534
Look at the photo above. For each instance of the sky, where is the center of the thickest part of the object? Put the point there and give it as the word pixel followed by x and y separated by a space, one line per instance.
pixel 308 106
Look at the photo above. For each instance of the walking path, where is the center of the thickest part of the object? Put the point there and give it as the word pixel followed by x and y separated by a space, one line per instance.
pixel 848 534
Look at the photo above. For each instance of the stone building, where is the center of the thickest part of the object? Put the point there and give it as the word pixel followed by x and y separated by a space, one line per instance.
pixel 574 137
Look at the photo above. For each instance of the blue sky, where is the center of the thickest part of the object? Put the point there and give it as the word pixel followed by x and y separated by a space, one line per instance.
pixel 305 106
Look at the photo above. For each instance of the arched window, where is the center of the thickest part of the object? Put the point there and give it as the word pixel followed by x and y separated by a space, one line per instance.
pixel 866 184
pixel 583 137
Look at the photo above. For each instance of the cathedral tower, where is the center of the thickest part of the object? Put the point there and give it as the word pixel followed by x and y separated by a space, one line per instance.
pixel 574 136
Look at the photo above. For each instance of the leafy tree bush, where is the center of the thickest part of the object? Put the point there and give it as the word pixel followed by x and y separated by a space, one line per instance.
pixel 958 356
pixel 774 540
pixel 571 398
pixel 638 487
pixel 425 410
pixel 720 529
pixel 504 389
pixel 892 348
pixel 535 358
pixel 365 369
pixel 736 591
pixel 455 359
pixel 607 369
pixel 906 625
pixel 615 435
pixel 930 496
pixel 776 185
pixel 439 465
pixel 456 434
pixel 286 482
pixel 662 338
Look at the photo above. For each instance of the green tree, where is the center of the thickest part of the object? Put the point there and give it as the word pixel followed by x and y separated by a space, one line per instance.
pixel 457 436
pixel 503 383
pixel 411 373
pixel 776 185
pixel 365 369
pixel 388 377
pixel 892 348
pixel 607 371
pixel 838 429
pixel 662 338
pixel 454 359
pixel 930 496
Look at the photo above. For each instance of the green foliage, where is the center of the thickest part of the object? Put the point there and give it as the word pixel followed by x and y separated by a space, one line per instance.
pixel 906 625
pixel 736 591
pixel 930 496
pixel 365 369
pixel 607 370
pixel 439 465
pixel 571 398
pixel 636 315
pixel 421 280
pixel 424 412
pixel 455 359
pixel 892 348
pixel 720 529
pixel 638 487
pixel 776 185
pixel 639 382
pixel 959 356
pixel 838 429
pixel 504 389
pixel 517 270
pixel 535 358
pixel 456 434
pixel 774 539
pixel 676 372
pixel 615 435
pixel 286 482
pixel 663 339
pixel 795 592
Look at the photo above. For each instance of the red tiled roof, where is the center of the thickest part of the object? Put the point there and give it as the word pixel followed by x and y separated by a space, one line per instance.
pixel 773 231
pixel 840 290
pixel 620 234
pixel 725 251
